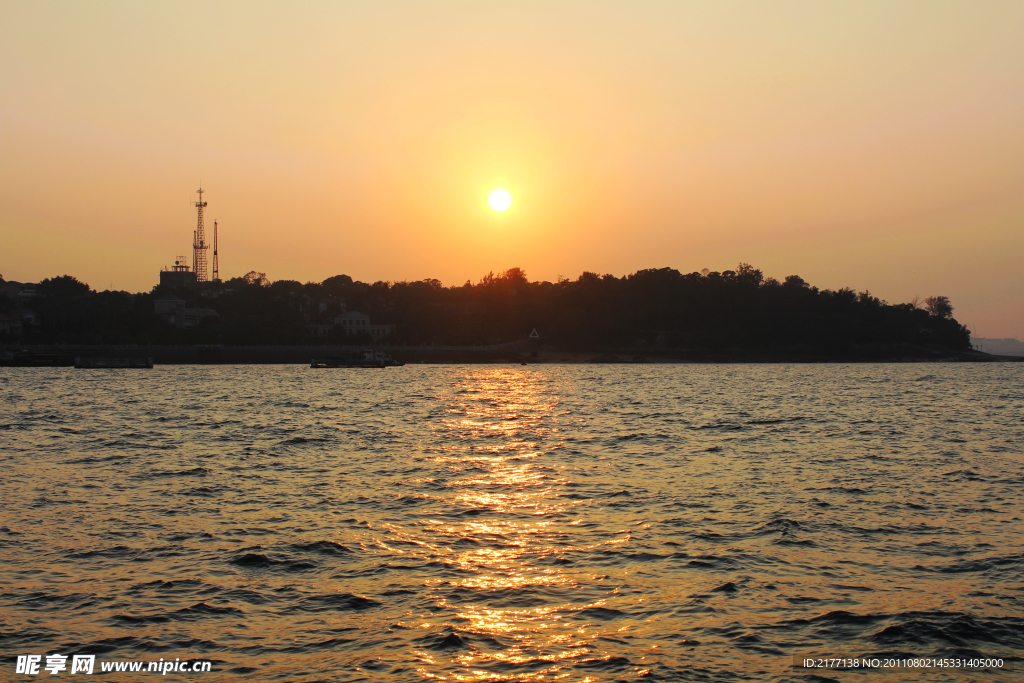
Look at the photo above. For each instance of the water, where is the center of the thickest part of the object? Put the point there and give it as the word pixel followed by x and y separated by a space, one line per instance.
pixel 539 523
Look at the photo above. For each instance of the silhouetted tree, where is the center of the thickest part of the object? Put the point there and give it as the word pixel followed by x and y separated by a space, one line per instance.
pixel 254 278
pixel 939 306
pixel 62 287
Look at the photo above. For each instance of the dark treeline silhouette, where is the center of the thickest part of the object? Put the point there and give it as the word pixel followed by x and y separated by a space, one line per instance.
pixel 736 311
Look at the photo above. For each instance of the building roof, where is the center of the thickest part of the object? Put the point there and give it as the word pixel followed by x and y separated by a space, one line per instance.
pixel 354 314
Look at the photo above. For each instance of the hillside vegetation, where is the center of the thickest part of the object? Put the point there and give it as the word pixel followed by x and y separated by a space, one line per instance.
pixel 736 311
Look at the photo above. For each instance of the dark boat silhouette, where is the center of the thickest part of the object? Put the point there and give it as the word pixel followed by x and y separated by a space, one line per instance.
pixel 366 359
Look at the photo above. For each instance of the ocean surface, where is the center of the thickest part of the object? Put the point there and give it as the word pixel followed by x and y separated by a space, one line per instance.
pixel 510 523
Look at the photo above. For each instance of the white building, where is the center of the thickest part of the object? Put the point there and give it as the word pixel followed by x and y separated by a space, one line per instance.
pixel 354 322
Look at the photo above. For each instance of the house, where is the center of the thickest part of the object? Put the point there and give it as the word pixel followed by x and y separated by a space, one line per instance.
pixel 190 317
pixel 27 291
pixel 173 310
pixel 167 304
pixel 354 322
pixel 18 291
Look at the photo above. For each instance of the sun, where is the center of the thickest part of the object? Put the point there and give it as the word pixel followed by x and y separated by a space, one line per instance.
pixel 500 200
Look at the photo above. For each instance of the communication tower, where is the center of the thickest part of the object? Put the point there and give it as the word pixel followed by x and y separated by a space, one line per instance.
pixel 216 268
pixel 199 245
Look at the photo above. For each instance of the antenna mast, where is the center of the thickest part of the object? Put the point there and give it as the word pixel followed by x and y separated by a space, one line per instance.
pixel 216 268
pixel 199 245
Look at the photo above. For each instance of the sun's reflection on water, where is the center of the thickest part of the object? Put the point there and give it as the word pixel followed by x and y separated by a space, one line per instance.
pixel 499 541
pixel 510 594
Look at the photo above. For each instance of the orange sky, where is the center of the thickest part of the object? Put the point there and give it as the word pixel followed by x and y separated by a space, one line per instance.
pixel 873 145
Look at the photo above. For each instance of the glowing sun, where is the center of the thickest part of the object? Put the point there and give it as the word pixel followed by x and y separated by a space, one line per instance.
pixel 500 200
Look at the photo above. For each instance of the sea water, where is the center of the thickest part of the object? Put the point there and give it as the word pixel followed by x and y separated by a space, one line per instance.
pixel 510 523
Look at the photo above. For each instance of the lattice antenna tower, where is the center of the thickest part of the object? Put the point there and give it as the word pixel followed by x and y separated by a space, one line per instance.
pixel 199 245
pixel 216 267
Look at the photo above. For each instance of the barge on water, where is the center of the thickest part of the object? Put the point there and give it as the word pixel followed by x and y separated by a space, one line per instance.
pixel 113 363
pixel 366 359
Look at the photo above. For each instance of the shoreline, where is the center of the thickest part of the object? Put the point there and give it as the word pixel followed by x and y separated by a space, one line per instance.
pixel 502 354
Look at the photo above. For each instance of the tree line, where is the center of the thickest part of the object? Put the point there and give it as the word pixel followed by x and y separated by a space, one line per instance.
pixel 735 311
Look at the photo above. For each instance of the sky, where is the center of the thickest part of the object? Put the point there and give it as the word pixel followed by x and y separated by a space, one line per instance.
pixel 872 145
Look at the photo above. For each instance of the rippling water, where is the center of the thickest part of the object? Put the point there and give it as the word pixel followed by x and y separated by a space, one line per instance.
pixel 540 523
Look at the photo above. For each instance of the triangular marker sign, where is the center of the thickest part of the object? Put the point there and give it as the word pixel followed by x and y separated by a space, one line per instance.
pixel 534 335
